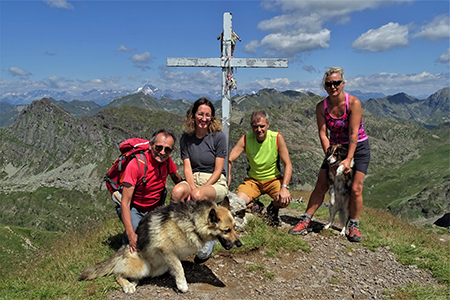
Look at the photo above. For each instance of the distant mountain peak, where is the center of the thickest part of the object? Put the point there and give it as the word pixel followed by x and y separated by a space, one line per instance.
pixel 401 98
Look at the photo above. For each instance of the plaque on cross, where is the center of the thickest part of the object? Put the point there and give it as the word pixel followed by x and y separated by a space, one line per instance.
pixel 227 62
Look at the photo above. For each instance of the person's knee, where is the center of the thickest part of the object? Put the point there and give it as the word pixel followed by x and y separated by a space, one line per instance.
pixel 196 195
pixel 356 190
pixel 244 197
pixel 177 194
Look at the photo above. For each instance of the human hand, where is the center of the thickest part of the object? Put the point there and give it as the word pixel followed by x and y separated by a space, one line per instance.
pixel 347 165
pixel 132 239
pixel 284 197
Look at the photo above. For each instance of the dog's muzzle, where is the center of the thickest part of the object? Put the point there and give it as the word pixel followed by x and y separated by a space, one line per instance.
pixel 227 244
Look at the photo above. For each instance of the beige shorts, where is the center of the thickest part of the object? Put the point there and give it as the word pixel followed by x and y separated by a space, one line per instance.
pixel 254 188
pixel 220 186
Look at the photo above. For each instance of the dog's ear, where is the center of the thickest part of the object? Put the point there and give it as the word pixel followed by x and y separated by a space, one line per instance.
pixel 213 218
pixel 226 203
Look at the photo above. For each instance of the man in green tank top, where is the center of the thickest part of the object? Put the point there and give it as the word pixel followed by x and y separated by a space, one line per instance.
pixel 264 149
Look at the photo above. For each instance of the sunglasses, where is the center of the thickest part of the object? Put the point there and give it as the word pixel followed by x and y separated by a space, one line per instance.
pixel 167 150
pixel 335 83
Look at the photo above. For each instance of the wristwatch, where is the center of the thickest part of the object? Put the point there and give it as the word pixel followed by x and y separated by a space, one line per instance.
pixel 285 185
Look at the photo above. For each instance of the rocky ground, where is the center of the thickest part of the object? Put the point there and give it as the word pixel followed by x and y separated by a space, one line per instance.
pixel 334 269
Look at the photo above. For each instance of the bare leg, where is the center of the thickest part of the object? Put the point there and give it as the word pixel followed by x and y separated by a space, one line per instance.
pixel 317 196
pixel 244 197
pixel 356 199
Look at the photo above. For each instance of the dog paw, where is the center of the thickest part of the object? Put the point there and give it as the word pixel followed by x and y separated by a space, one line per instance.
pixel 129 288
pixel 182 286
pixel 342 233
pixel 326 226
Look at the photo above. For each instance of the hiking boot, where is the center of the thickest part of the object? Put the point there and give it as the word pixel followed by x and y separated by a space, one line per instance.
pixel 257 207
pixel 205 253
pixel 353 235
pixel 272 216
pixel 302 226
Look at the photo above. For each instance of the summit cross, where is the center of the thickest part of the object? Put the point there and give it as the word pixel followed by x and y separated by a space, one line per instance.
pixel 227 62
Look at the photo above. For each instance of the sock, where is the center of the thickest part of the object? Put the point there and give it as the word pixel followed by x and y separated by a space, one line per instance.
pixel 308 216
pixel 354 222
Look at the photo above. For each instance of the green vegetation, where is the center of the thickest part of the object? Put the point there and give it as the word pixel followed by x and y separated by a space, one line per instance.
pixel 49 270
pixel 51 209
pixel 395 187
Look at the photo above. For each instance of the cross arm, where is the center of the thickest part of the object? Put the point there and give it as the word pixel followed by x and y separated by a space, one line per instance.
pixel 228 62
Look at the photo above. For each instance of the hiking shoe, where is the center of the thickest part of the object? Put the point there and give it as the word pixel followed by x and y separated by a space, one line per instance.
pixel 272 216
pixel 353 235
pixel 205 253
pixel 257 207
pixel 302 226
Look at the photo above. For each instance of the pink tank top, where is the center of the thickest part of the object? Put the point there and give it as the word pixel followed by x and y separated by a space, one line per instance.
pixel 338 127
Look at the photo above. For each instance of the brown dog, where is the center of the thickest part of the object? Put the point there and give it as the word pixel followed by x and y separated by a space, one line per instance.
pixel 165 236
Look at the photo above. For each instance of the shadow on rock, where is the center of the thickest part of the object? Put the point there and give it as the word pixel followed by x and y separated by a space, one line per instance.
pixel 194 273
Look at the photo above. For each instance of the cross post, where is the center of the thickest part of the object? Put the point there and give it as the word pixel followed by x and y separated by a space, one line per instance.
pixel 227 62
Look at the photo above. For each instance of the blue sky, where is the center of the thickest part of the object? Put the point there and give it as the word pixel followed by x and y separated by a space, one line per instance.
pixel 383 46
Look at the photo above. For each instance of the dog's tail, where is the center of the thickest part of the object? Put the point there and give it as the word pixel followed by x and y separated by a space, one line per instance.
pixel 105 267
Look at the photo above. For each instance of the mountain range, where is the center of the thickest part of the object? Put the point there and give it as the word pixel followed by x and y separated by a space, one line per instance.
pixel 429 112
pixel 47 149
pixel 103 97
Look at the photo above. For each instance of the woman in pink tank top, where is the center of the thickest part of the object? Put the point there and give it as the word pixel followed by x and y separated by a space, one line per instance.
pixel 340 114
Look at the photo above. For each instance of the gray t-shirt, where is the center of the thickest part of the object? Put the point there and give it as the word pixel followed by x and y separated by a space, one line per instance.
pixel 203 152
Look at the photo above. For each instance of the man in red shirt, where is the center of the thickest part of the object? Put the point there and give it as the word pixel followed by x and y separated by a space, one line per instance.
pixel 139 199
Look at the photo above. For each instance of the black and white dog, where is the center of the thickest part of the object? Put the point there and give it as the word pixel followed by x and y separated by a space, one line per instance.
pixel 340 185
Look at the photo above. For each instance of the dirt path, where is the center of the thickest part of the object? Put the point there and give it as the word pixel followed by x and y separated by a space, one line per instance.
pixel 335 269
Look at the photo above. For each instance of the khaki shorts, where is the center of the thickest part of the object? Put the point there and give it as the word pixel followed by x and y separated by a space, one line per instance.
pixel 254 188
pixel 220 186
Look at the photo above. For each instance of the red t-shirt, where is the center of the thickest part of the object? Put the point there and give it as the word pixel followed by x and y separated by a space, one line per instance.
pixel 145 198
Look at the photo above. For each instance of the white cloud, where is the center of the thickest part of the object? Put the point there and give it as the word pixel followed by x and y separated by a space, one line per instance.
pixel 15 71
pixel 59 4
pixel 437 29
pixel 202 81
pixel 444 57
pixel 338 10
pixel 252 47
pixel 290 44
pixel 382 39
pixel 300 28
pixel 59 84
pixel 142 61
pixel 122 48
pixel 392 83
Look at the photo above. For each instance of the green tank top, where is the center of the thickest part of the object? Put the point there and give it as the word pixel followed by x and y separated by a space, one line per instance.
pixel 262 157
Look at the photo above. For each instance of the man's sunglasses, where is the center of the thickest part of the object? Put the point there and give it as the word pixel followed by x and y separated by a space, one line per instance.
pixel 167 150
pixel 336 83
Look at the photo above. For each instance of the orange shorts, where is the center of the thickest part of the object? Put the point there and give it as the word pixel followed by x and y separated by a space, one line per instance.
pixel 254 188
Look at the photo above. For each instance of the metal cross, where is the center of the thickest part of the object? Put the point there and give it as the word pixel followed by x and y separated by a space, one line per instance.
pixel 227 62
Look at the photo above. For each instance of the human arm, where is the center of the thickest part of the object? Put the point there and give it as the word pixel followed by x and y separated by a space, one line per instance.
pixel 218 167
pixel 127 195
pixel 355 114
pixel 176 178
pixel 188 175
pixel 322 127
pixel 234 154
pixel 220 152
pixel 284 196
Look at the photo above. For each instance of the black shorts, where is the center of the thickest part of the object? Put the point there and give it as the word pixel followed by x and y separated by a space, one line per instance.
pixel 361 157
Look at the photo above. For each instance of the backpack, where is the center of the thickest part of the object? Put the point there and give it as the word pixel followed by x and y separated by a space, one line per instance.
pixel 129 149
